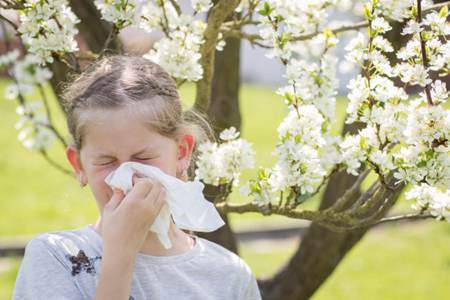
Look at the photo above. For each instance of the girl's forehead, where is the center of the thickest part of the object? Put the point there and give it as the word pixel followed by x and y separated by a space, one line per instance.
pixel 118 130
pixel 121 144
pixel 132 111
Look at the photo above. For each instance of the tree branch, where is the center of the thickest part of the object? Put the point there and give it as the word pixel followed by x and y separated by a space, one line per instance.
pixel 363 213
pixel 423 51
pixel 325 218
pixel 404 217
pixel 11 23
pixel 216 17
pixel 176 6
pixel 349 193
pixel 256 38
pixel 11 4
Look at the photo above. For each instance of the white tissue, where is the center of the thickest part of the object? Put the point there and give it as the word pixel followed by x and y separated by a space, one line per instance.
pixel 184 200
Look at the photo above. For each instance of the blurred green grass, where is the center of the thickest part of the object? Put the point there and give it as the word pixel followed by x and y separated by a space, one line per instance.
pixel 37 198
pixel 396 262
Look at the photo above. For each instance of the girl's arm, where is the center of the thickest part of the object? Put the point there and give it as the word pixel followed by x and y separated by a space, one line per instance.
pixel 115 276
pixel 125 224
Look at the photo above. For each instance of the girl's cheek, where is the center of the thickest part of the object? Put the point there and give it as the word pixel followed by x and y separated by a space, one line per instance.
pixel 101 172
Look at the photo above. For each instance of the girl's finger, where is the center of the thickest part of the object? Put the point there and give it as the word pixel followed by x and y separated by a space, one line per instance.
pixel 115 200
pixel 142 187
pixel 136 177
pixel 156 197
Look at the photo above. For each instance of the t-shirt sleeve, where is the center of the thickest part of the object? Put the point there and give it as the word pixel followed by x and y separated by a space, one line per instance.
pixel 250 289
pixel 43 276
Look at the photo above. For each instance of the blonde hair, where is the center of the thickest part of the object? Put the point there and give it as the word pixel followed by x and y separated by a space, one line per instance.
pixel 118 81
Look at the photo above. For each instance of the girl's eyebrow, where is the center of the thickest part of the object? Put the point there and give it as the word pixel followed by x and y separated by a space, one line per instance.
pixel 140 152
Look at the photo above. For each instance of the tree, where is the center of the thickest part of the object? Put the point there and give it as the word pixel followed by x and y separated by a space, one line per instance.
pixel 403 138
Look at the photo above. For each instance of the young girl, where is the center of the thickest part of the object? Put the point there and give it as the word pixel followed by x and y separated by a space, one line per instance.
pixel 125 108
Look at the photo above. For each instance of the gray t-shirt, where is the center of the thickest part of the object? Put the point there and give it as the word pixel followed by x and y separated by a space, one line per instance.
pixel 66 265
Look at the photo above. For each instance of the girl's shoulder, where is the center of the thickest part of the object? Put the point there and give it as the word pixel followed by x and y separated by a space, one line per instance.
pixel 224 258
pixel 72 248
pixel 56 263
pixel 227 265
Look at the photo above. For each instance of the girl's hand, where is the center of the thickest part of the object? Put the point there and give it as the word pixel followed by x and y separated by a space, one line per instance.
pixel 127 219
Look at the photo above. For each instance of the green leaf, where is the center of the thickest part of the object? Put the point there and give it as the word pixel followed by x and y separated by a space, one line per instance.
pixel 316 78
pixel 279 19
pixel 325 125
pixel 362 142
pixel 443 13
pixel 429 154
pixel 266 10
pixel 414 11
pixel 422 164
pixel 367 12
pixel 285 37
pixel 289 97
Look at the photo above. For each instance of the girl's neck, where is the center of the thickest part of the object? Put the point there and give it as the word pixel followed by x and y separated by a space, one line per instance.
pixel 181 241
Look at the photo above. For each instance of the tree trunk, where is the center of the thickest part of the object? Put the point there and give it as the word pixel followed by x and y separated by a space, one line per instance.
pixel 224 112
pixel 93 29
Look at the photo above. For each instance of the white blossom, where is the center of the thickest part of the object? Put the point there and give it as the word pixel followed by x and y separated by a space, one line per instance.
pixel 223 163
pixel 380 25
pixel 229 134
pixel 439 92
pixel 429 198
pixel 9 57
pixel 48 27
pixel 412 27
pixel 359 93
pixel 382 159
pixel 179 53
pixel 11 92
pixel 352 154
pixel 411 50
pixel 413 74
pixel 121 13
pixel 34 132
pixel 28 72
pixel 438 23
pixel 382 44
pixel 298 160
pixel 356 49
pixel 201 5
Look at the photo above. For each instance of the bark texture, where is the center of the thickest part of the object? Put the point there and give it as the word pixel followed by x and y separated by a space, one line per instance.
pixel 224 112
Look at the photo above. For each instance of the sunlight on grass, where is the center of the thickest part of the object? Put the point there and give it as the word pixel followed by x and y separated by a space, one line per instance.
pixel 396 262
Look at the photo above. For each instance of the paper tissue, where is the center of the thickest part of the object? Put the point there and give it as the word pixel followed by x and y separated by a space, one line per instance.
pixel 184 200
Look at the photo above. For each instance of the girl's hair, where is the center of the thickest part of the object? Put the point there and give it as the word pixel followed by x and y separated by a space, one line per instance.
pixel 119 81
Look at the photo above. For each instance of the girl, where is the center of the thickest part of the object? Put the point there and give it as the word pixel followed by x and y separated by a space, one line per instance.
pixel 125 108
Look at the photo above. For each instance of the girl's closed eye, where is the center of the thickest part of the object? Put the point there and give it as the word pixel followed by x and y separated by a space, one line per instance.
pixel 112 161
pixel 146 158
pixel 104 163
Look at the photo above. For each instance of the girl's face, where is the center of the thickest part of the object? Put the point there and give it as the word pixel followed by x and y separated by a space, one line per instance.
pixel 116 136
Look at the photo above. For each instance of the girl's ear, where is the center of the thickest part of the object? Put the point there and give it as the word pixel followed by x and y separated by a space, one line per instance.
pixel 185 147
pixel 74 158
